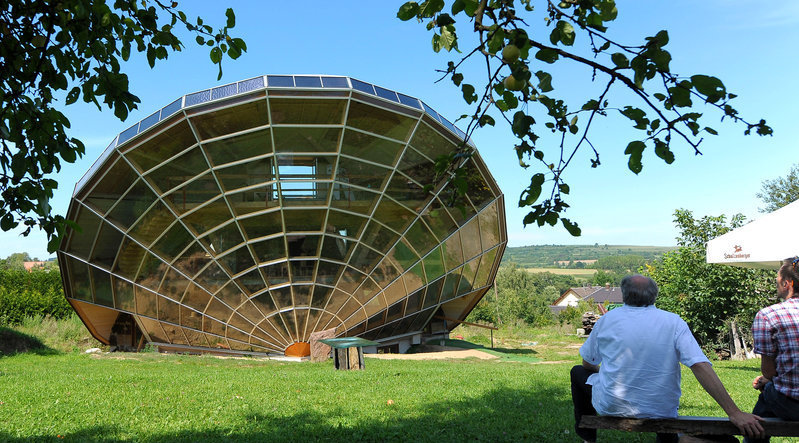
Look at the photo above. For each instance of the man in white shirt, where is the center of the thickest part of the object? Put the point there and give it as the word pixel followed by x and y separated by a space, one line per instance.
pixel 640 348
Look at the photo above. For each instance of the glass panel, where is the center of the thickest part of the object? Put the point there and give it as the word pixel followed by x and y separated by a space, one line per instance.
pixel 458 206
pixel 302 270
pixel 362 174
pixel 231 295
pixel 451 284
pixel 320 296
pixel 310 325
pixel 268 250
pixel 379 121
pixel 190 318
pixel 146 302
pixel 102 287
pixel 238 260
pixel 393 215
pixel 379 237
pixel 80 243
pixel 240 323
pixel 192 260
pixel 252 282
pixel 276 274
pixel 152 224
pixel 129 259
pixel 196 297
pixel 328 272
pixel 344 224
pixel 212 278
pixel 415 278
pixel 336 248
pixel 352 199
pixel 161 147
pixel 431 143
pixel 253 199
pixel 336 301
pixel 476 186
pixel 248 174
pixel 306 139
pixel 375 306
pixel 123 295
pixel 218 311
pixel 173 242
pixel 153 329
pixel 404 190
pixel 168 310
pixel 395 311
pixel 174 285
pixel 230 120
pixel 132 205
pixel 302 295
pixel 364 259
pixel 118 178
pixel 304 220
pixel 262 225
pixel 303 245
pixel 467 279
pixel 193 194
pixel 107 246
pixel 385 273
pixel 420 321
pixel 453 252
pixel 239 147
pixel 265 303
pixel 307 111
pixel 470 234
pixel 195 338
pixel 274 327
pixel 254 316
pixel 489 227
pixel 433 294
pixel 403 255
pixel 420 237
pixel 350 280
pixel 433 265
pixel 484 272
pixel 223 239
pixel 367 291
pixel 417 167
pixel 414 302
pixel 326 321
pixel 368 147
pixel 208 217
pixel 395 292
pixel 438 220
pixel 178 171
pixel 291 324
pixel 174 334
pixel 152 272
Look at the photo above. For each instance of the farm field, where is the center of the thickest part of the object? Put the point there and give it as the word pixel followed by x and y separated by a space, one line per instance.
pixel 577 274
pixel 151 397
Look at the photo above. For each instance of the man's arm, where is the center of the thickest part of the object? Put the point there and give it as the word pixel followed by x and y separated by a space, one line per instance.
pixel 749 424
pixel 768 366
pixel 590 367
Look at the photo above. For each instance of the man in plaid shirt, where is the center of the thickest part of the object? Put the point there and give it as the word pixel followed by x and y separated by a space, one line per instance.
pixel 776 339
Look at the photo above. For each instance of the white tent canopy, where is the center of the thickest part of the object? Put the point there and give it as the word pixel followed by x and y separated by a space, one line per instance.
pixel 763 243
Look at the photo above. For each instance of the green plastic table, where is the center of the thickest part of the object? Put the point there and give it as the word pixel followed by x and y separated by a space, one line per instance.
pixel 348 351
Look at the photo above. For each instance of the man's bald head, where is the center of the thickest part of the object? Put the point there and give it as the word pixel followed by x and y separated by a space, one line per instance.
pixel 638 290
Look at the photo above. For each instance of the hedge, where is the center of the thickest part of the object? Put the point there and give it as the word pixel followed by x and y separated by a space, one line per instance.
pixel 30 294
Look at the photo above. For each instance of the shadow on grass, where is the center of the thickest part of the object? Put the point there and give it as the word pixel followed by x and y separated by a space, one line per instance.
pixel 14 342
pixel 500 415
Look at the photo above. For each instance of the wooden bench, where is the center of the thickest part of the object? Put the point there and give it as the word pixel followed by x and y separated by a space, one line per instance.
pixel 687 425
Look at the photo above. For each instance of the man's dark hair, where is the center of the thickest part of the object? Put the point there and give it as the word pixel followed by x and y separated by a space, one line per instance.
pixel 637 290
pixel 789 271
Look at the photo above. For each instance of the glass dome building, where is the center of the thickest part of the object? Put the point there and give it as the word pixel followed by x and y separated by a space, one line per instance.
pixel 245 217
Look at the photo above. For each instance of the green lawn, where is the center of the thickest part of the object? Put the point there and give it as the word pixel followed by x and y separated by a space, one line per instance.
pixel 169 398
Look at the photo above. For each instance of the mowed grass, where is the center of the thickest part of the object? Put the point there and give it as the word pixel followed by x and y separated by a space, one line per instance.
pixel 151 397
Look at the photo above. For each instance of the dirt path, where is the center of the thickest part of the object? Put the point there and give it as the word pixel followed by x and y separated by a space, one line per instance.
pixel 438 355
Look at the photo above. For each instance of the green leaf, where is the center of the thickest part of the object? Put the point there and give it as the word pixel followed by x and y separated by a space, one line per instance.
pixel 7 222
pixel 544 81
pixel 635 150
pixel 73 95
pixel 620 60
pixel 711 87
pixel 444 20
pixel 571 227
pixel 468 93
pixel 457 79
pixel 430 8
pixel 662 150
pixel 408 11
pixel 590 105
pixel 448 38
pixel 566 31
pixel 216 55
pixel 710 130
pixel 547 55
pixel 231 18
pixel 486 119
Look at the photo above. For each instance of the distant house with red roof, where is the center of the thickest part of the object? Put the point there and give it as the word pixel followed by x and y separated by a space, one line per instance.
pixel 599 295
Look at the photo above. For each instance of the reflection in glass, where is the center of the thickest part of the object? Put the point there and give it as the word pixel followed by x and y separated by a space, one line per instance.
pixel 379 121
pixel 307 111
pixel 110 188
pixel 239 147
pixel 306 139
pixel 163 146
pixel 230 120
pixel 132 205
pixel 80 242
pixel 368 147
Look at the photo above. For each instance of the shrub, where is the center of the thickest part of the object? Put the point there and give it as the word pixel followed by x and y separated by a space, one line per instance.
pixel 31 294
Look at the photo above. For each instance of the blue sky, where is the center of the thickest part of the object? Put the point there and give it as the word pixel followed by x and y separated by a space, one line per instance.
pixel 749 46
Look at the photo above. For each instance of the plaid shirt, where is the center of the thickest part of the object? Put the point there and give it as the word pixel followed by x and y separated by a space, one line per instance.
pixel 776 334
